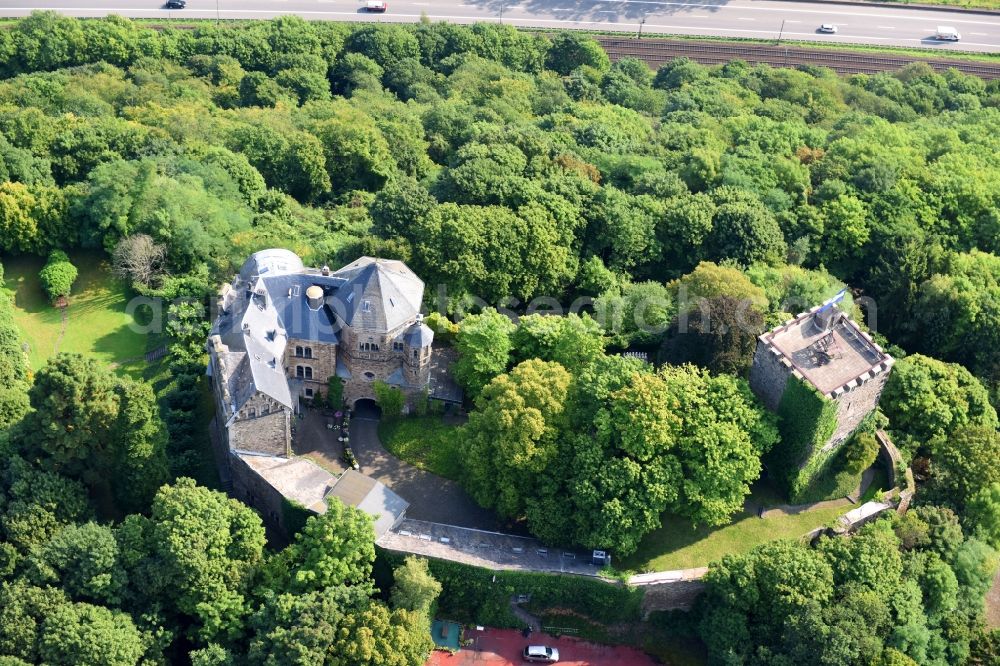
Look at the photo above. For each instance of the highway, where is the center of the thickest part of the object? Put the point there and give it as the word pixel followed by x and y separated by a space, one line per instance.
pixel 766 19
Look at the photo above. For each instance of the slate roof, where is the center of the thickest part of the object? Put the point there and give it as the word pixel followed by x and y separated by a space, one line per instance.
pixel 273 261
pixel 371 496
pixel 419 335
pixel 379 294
pixel 250 324
pixel 289 300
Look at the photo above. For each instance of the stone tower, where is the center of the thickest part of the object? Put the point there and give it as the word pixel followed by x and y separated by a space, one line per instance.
pixel 824 350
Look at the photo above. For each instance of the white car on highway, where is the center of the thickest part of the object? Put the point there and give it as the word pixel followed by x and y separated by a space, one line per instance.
pixel 946 33
pixel 828 28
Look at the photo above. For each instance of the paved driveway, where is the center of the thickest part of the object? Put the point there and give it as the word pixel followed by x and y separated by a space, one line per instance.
pixel 502 647
pixel 431 497
pixel 314 440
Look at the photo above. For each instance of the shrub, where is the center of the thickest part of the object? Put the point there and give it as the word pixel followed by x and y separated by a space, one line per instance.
pixel 390 399
pixel 335 392
pixel 861 452
pixel 482 596
pixel 444 329
pixel 58 275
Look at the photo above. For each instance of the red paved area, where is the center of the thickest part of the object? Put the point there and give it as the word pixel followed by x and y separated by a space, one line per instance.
pixel 502 647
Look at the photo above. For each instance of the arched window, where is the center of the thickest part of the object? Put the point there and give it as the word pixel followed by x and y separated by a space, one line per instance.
pixel 298 351
pixel 300 371
pixel 309 373
pixel 309 352
pixel 252 412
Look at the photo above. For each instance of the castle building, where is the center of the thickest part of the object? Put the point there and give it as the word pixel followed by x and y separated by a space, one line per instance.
pixel 283 330
pixel 829 352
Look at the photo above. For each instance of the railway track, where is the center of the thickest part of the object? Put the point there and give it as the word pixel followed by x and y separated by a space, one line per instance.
pixel 655 52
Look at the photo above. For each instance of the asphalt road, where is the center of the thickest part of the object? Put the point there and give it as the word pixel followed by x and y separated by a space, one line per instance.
pixel 737 18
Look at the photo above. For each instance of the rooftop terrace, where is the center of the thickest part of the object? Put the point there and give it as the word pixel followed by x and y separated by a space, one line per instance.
pixel 827 349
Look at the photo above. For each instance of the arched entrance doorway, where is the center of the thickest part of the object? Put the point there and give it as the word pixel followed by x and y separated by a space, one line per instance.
pixel 366 408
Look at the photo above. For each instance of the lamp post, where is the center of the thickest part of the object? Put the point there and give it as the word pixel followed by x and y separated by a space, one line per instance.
pixel 781 30
pixel 501 12
pixel 216 12
pixel 641 23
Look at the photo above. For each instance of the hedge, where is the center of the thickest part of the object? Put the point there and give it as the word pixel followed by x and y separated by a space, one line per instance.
pixel 807 419
pixel 474 595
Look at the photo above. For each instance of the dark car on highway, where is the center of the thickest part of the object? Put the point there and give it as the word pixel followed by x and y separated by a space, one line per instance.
pixel 175 4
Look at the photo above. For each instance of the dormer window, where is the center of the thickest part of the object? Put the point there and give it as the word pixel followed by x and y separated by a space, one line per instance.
pixel 397 346
pixel 366 306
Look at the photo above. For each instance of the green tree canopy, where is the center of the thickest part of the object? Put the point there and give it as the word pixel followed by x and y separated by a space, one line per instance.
pixel 927 398
pixel 197 552
pixel 484 347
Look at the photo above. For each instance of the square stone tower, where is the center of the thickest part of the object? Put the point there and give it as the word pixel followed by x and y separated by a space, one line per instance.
pixel 826 351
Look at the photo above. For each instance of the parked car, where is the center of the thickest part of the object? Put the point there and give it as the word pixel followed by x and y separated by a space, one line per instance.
pixel 541 654
pixel 828 28
pixel 946 33
pixel 176 4
pixel 377 5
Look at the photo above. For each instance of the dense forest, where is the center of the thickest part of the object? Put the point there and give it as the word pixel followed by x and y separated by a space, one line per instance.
pixel 501 166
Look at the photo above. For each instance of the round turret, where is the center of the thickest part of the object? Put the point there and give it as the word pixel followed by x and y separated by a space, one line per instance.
pixel 314 295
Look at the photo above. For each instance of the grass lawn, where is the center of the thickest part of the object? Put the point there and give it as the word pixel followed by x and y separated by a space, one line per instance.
pixel 879 484
pixel 678 545
pixel 96 322
pixel 426 442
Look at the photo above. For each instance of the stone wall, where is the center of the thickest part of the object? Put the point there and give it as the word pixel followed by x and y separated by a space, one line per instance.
pixel 854 405
pixel 768 376
pixel 250 488
pixel 671 595
pixel 360 386
pixel 888 456
pixel 323 363
pixel 270 434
